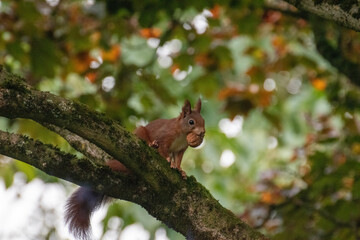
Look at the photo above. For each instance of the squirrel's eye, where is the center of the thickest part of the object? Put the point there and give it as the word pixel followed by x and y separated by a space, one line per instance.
pixel 191 122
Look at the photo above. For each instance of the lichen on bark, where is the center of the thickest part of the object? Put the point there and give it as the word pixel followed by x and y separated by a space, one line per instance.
pixel 350 6
pixel 343 12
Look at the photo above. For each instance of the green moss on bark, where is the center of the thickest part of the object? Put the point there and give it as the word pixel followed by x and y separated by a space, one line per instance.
pixel 12 81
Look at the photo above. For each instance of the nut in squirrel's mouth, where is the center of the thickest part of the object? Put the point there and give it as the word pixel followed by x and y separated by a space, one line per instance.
pixel 194 140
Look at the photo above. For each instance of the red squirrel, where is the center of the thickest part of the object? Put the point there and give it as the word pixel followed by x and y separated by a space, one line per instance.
pixel 170 137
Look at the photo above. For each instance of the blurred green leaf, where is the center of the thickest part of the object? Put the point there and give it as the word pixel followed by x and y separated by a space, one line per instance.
pixel 7 173
pixel 135 51
pixel 44 57
pixel 28 170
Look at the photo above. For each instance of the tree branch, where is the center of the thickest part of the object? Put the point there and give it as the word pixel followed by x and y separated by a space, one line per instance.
pixel 184 205
pixel 334 55
pixel 82 145
pixel 326 215
pixel 67 166
pixel 345 13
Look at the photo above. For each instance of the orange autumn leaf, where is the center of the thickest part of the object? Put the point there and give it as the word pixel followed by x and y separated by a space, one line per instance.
pixel 91 76
pixel 278 41
pixel 319 83
pixel 229 92
pixel 267 197
pixel 150 32
pixel 270 197
pixel 264 98
pixel 215 11
pixel 112 54
pixel 280 45
pixel 252 71
pixel 173 68
pixel 257 96
pixel 204 60
pixel 81 62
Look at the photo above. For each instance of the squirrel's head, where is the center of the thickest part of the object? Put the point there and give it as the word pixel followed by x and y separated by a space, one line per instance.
pixel 192 123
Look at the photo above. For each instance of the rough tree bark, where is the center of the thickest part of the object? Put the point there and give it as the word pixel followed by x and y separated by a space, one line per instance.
pixel 343 12
pixel 184 205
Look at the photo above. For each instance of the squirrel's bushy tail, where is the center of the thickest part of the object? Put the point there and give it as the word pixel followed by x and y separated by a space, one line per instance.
pixel 79 207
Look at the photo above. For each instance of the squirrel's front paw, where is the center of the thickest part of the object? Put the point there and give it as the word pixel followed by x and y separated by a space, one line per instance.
pixel 182 172
pixel 154 144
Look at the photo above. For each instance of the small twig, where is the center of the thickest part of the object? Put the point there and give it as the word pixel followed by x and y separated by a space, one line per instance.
pixel 324 214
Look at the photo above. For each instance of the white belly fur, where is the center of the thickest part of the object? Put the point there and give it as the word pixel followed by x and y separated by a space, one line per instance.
pixel 179 144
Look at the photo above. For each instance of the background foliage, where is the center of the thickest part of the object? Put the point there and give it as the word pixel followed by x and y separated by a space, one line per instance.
pixel 282 144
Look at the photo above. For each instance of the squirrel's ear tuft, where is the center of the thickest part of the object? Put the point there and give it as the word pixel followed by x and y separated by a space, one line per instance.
pixel 186 109
pixel 198 106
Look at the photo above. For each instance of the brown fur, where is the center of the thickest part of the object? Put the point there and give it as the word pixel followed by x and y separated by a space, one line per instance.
pixel 170 136
pixel 173 136
pixel 79 209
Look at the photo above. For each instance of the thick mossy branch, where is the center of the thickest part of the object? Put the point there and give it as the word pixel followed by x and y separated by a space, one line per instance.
pixel 184 205
pixel 343 12
pixel 66 166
